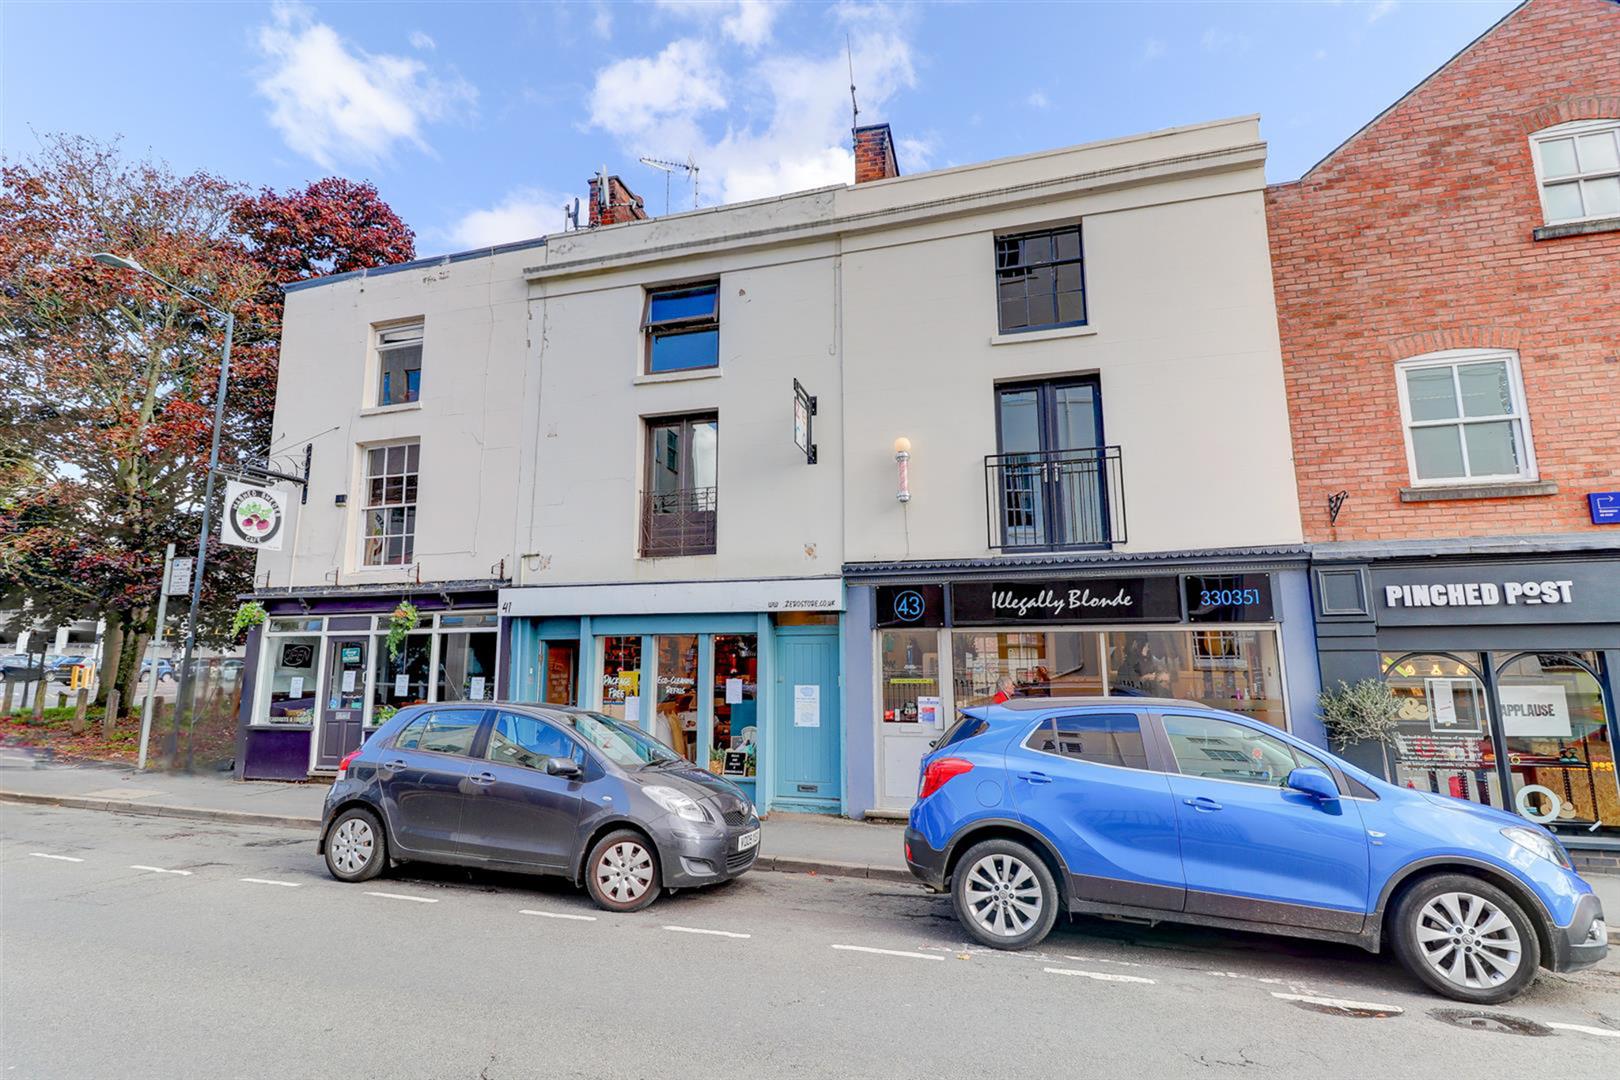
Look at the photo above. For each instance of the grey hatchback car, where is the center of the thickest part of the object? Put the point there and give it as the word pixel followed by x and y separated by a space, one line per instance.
pixel 539 789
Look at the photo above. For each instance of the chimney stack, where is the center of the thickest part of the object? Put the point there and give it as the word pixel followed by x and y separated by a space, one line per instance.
pixel 620 204
pixel 874 153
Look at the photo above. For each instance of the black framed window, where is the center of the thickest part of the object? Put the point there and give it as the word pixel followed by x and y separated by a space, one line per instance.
pixel 683 328
pixel 1040 279
pixel 679 502
pixel 1052 482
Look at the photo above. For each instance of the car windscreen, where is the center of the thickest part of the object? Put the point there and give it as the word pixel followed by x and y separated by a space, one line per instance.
pixel 624 746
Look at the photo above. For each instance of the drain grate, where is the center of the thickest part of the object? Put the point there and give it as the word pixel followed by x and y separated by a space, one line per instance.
pixel 1475 1020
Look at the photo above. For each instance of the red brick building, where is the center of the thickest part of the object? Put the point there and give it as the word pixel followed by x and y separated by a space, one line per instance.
pixel 1448 295
pixel 1426 233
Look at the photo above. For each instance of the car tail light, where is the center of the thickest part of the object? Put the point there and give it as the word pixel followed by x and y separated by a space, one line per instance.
pixel 343 766
pixel 941 770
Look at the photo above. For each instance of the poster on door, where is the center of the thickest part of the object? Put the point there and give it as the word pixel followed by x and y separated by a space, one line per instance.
pixel 806 705
pixel 1535 711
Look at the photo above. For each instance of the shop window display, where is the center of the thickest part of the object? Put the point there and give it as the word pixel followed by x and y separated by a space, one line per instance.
pixel 402 680
pixel 910 672
pixel 621 678
pixel 675 708
pixel 292 680
pixel 733 748
pixel 467 667
pixel 1235 670
pixel 1557 741
pixel 993 667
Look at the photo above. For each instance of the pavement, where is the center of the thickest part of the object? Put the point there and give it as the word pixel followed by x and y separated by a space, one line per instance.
pixel 144 947
pixel 796 843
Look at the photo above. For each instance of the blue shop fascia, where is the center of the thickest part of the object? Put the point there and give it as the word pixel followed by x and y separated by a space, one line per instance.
pixel 742 677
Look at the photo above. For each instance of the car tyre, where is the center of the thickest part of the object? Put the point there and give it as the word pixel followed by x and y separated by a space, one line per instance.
pixel 621 872
pixel 1466 939
pixel 356 849
pixel 1004 895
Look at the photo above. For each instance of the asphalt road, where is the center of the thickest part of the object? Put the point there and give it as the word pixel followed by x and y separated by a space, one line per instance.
pixel 135 947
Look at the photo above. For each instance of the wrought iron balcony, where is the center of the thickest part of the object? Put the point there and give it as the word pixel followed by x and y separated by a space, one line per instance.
pixel 678 522
pixel 1055 499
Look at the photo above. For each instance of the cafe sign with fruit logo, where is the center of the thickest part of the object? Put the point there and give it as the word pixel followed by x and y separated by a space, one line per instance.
pixel 254 516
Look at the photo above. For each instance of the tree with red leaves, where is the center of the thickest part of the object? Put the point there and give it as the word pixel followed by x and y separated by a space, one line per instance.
pixel 110 378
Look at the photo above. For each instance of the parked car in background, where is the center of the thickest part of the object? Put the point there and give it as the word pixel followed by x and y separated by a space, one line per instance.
pixel 165 670
pixel 1166 810
pixel 536 789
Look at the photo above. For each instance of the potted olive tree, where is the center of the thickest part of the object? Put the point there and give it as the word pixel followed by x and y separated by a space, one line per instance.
pixel 1362 721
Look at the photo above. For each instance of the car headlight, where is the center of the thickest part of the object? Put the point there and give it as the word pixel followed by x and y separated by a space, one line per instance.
pixel 682 806
pixel 1538 842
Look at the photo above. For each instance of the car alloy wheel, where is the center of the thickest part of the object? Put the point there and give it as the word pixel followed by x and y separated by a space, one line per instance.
pixel 354 845
pixel 1003 896
pixel 1468 941
pixel 624 872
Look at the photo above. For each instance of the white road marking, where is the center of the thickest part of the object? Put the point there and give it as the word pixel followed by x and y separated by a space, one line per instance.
pixel 699 930
pixel 1240 975
pixel 267 881
pixel 888 952
pixel 1100 976
pixel 1102 960
pixel 400 896
pixel 161 870
pixel 62 858
pixel 1340 1003
pixel 1584 1030
pixel 557 915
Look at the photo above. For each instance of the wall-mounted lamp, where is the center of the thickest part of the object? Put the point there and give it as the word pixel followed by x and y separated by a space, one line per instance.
pixel 902 458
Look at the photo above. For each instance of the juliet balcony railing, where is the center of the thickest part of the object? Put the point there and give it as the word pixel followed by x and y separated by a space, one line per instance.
pixel 679 522
pixel 1055 499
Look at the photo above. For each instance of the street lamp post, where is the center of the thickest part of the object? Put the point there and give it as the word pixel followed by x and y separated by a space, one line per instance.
pixel 187 687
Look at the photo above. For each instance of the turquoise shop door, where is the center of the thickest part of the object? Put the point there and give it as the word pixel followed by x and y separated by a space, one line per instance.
pixel 806 731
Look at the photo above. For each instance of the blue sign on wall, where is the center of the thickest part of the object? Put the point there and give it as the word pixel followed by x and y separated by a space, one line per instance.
pixel 1605 507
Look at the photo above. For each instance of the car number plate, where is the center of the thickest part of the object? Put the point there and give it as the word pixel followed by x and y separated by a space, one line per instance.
pixel 748 840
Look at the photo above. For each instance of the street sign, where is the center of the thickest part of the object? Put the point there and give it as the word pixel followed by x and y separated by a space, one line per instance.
pixel 179 582
pixel 804 411
pixel 1605 507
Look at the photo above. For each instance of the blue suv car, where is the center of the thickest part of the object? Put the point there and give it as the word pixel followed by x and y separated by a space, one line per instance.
pixel 1155 810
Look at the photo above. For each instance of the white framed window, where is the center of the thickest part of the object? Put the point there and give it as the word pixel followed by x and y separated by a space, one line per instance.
pixel 1578 170
pixel 389 516
pixel 1464 417
pixel 399 363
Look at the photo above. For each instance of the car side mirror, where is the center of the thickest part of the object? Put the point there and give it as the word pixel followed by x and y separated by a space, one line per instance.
pixel 567 768
pixel 1315 783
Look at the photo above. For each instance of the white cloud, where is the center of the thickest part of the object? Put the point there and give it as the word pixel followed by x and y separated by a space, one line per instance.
pixel 1380 9
pixel 1037 100
pixel 423 40
pixel 788 128
pixel 523 214
pixel 334 102
pixel 1153 49
pixel 747 22
pixel 602 22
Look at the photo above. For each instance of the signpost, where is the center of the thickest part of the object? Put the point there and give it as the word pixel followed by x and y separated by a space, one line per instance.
pixel 804 412
pixel 176 582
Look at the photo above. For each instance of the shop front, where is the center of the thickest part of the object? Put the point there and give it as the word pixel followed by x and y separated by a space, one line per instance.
pixel 1504 669
pixel 741 678
pixel 1227 634
pixel 323 672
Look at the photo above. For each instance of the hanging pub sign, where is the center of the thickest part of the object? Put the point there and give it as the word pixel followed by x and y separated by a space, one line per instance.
pixel 804 412
pixel 1228 597
pixel 255 516
pixel 1066 601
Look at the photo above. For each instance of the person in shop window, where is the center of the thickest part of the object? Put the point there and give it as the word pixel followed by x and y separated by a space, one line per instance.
pixel 1006 690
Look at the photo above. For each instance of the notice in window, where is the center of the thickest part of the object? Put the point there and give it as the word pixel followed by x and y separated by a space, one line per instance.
pixel 632 710
pixel 734 691
pixel 929 712
pixel 806 705
pixel 295 686
pixel 476 693
pixel 348 682
pixel 402 685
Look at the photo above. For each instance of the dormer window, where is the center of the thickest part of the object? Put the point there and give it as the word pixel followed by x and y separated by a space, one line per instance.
pixel 1578 168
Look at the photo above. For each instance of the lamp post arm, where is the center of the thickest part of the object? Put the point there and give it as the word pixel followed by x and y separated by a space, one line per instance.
pixel 187 293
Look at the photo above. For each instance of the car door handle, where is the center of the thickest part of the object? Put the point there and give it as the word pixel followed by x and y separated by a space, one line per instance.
pixel 1035 777
pixel 393 766
pixel 1203 802
pixel 483 779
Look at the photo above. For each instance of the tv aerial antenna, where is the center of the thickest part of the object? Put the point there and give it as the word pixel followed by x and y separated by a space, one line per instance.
pixel 854 106
pixel 668 169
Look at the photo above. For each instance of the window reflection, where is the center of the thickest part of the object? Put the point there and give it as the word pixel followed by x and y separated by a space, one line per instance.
pixel 675 701
pixel 621 678
pixel 733 750
pixel 1557 738
pixel 910 671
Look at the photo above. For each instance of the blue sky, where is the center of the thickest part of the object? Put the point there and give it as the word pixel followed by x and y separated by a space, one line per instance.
pixel 477 120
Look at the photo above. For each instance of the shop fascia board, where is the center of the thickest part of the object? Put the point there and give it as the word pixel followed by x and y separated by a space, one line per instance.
pixel 1551 545
pixel 771 231
pixel 1235 560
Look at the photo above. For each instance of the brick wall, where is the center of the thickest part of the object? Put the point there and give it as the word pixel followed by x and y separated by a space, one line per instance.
pixel 874 153
pixel 1416 236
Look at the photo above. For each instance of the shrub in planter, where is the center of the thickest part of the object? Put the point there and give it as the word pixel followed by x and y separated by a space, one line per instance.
pixel 1364 712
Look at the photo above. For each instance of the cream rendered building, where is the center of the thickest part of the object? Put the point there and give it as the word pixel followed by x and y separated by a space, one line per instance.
pixel 609 465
